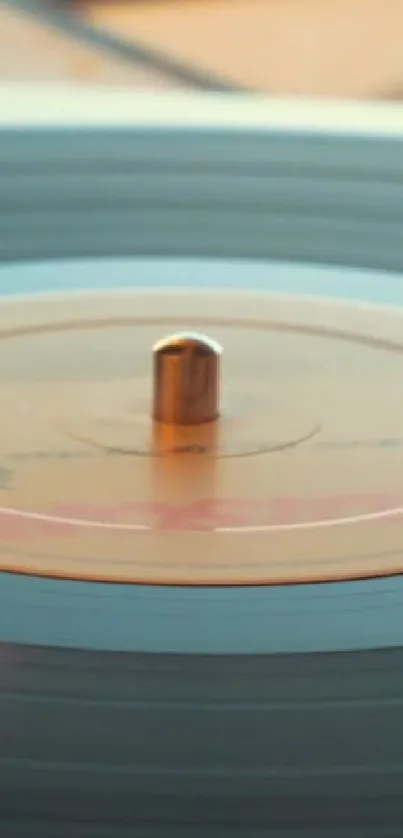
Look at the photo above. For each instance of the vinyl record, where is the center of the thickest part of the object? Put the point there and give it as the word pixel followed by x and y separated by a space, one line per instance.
pixel 201 503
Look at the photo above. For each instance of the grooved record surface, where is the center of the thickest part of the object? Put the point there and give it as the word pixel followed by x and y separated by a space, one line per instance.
pixel 310 740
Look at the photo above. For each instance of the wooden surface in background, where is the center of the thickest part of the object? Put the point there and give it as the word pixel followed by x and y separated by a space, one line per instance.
pixel 30 51
pixel 314 47
pixel 345 48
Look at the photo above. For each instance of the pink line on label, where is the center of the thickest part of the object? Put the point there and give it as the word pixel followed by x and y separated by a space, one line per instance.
pixel 68 520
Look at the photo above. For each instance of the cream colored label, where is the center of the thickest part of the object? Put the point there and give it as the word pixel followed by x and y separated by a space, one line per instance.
pixel 299 481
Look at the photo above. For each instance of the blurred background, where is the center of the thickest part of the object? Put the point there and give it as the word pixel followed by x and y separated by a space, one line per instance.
pixel 325 48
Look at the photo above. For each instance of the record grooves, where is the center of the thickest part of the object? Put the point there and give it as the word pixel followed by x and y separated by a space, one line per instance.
pixel 206 689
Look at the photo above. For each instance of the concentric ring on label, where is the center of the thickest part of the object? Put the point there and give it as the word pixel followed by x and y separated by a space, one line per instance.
pixel 266 528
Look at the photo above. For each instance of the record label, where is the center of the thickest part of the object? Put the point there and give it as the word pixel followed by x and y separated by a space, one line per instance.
pixel 298 479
